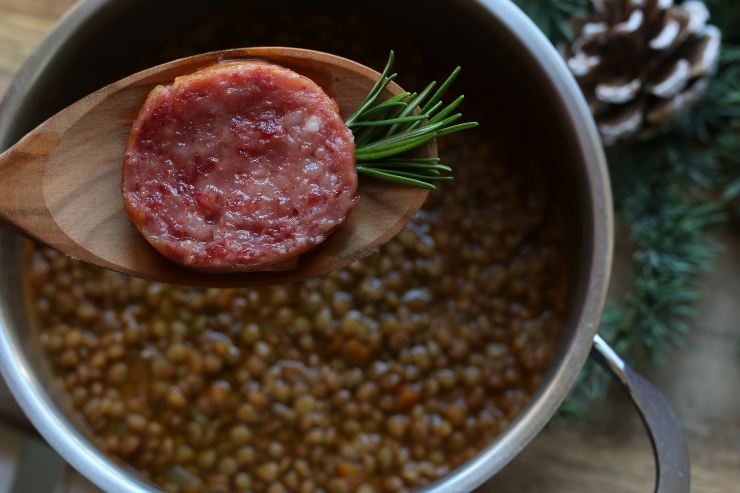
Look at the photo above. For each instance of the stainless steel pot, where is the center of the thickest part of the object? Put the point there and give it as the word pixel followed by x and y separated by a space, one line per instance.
pixel 102 40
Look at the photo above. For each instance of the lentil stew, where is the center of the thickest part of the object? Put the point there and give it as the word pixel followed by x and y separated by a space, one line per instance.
pixel 378 378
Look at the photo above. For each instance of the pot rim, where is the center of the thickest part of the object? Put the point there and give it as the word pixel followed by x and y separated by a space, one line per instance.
pixel 86 458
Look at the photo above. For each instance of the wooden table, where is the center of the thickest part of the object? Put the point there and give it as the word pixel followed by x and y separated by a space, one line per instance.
pixel 609 452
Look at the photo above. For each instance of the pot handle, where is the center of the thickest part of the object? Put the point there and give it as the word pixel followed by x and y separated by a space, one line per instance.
pixel 672 468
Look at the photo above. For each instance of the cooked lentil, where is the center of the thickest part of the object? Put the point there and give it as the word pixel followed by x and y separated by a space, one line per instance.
pixel 232 390
pixel 378 378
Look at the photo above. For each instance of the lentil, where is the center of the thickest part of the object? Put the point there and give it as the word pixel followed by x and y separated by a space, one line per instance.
pixel 391 372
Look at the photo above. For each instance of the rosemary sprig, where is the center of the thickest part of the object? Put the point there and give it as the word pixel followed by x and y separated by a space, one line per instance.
pixel 386 131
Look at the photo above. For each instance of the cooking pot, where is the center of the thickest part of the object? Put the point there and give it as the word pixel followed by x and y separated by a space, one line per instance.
pixel 102 40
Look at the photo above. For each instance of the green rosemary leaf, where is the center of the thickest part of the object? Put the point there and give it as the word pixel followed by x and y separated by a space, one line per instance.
pixel 395 178
pixel 435 107
pixel 447 110
pixel 379 109
pixel 377 89
pixel 370 134
pixel 419 99
pixel 403 165
pixel 394 148
pixel 395 101
pixel 418 176
pixel 390 121
pixel 435 102
pixel 402 97
pixel 383 83
pixel 431 111
pixel 440 92
pixel 418 160
pixel 423 130
pixel 423 160
pixel 383 75
pixel 413 105
pixel 364 136
pixel 414 173
pixel 457 128
pixel 386 131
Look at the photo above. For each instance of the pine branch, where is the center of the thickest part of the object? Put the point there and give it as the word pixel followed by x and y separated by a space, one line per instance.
pixel 554 17
pixel 670 193
pixel 721 105
pixel 711 133
pixel 668 229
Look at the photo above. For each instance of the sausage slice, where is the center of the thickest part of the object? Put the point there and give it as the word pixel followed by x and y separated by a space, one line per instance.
pixel 240 166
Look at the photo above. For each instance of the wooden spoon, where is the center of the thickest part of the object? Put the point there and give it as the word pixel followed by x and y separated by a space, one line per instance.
pixel 61 184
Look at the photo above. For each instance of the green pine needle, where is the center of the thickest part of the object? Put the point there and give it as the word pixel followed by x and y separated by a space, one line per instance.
pixel 669 193
pixel 668 231
pixel 386 131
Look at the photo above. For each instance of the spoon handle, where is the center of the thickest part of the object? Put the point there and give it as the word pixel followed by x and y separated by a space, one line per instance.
pixel 60 184
pixel 22 205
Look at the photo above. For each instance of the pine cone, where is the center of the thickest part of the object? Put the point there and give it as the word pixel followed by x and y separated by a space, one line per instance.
pixel 643 63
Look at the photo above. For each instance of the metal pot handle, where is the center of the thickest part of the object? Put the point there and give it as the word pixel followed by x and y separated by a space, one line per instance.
pixel 673 473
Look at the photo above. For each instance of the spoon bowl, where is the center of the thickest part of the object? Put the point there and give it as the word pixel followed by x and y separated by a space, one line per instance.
pixel 61 183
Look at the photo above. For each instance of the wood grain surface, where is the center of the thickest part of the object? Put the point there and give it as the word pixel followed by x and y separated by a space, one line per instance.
pixel 608 453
